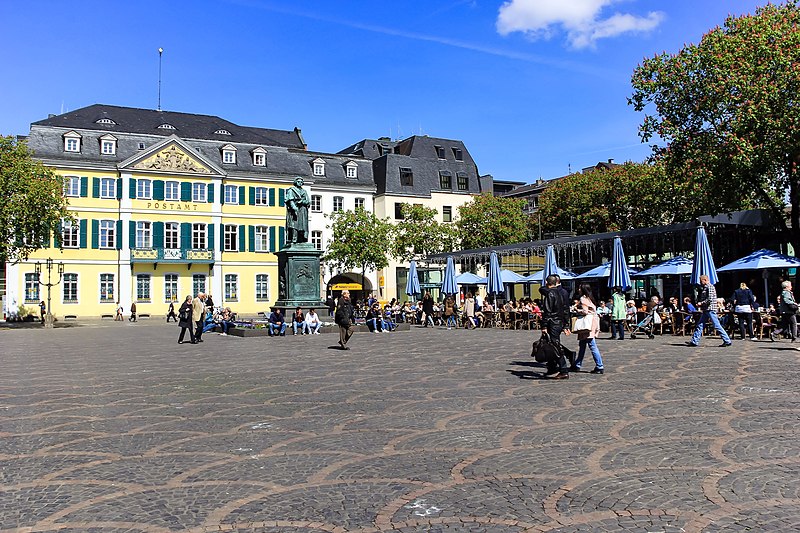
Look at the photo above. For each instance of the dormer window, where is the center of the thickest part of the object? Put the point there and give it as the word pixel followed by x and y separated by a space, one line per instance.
pixel 108 145
pixel 319 166
pixel 166 126
pixel 458 154
pixel 222 132
pixel 107 121
pixel 351 169
pixel 259 157
pixel 72 142
pixel 229 154
pixel 440 152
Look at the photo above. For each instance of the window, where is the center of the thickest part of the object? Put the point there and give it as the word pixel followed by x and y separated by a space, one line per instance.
pixel 105 121
pixel 72 186
pixel 198 192
pixel 338 203
pixel 70 288
pixel 406 176
pixel 229 154
pixel 458 154
pixel 439 152
pixel 360 202
pixel 32 288
pixel 463 181
pixel 72 142
pixel 231 242
pixel 143 287
pixel 108 145
pixel 261 196
pixel 262 287
pixel 107 234
pixel 70 234
pixel 198 283
pixel 316 239
pixel 316 203
pixel 231 287
pixel 231 194
pixel 141 146
pixel 171 235
pixel 108 187
pixel 351 170
pixel 166 127
pixel 144 189
pixel 445 180
pixel 222 132
pixel 170 287
pixel 259 157
pixel 319 167
pixel 398 211
pixel 144 235
pixel 172 191
pixel 198 236
pixel 107 288
pixel 447 213
pixel 262 239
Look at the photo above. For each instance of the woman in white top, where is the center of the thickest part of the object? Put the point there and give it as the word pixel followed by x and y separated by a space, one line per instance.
pixel 588 307
pixel 312 322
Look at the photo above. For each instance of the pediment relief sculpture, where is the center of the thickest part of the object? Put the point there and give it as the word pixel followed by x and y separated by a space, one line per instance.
pixel 174 159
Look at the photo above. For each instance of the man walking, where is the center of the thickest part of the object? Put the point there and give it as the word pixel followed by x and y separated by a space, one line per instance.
pixel 344 319
pixel 555 320
pixel 199 315
pixel 707 302
pixel 788 309
pixel 132 318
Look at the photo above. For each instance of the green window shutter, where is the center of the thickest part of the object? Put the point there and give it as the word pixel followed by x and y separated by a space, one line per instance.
pixel 210 194
pixel 221 195
pixel 84 231
pixel 158 189
pixel 272 247
pixel 186 192
pixel 252 192
pixel 271 197
pixel 186 235
pixel 252 236
pixel 281 195
pixel 210 230
pixel 132 234
pixel 119 233
pixel 119 188
pixel 158 234
pixel 241 238
pixel 84 186
pixel 57 236
pixel 281 236
pixel 95 233
pixel 222 237
pixel 241 195
pixel 132 189
pixel 95 187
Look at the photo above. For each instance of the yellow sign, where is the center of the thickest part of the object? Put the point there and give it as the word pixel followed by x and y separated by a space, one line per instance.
pixel 381 281
pixel 346 286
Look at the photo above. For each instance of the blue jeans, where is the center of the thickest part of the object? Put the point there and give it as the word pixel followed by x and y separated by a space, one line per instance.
pixel 312 328
pixel 598 359
pixel 451 321
pixel 301 325
pixel 280 327
pixel 375 324
pixel 704 317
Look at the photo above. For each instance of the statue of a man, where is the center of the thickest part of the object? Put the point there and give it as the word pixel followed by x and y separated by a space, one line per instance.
pixel 297 202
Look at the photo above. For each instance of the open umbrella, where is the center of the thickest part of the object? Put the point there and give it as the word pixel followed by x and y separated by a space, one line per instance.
pixel 619 275
pixel 412 285
pixel 761 260
pixel 550 266
pixel 602 271
pixel 449 285
pixel 703 261
pixel 677 266
pixel 468 278
pixel 537 277
pixel 509 276
pixel 494 282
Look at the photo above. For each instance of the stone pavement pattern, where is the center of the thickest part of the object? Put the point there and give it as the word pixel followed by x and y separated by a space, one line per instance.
pixel 120 429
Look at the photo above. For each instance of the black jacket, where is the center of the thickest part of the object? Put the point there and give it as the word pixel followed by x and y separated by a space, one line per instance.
pixel 344 313
pixel 555 305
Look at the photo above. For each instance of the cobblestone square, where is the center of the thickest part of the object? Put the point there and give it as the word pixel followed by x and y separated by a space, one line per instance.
pixel 117 428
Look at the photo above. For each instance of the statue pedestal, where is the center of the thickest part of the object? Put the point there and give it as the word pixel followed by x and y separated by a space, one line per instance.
pixel 298 277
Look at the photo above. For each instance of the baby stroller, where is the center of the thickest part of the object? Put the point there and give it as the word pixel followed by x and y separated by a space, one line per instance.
pixel 646 326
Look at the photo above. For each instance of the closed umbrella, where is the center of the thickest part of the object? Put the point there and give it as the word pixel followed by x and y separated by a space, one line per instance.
pixel 619 275
pixel 449 285
pixel 550 266
pixel 412 285
pixel 762 260
pixel 703 264
pixel 495 282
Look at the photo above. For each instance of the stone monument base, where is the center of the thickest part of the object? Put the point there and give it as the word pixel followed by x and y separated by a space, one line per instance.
pixel 299 277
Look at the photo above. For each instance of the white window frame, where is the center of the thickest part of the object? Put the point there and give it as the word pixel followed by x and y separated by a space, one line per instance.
pixel 106 283
pixel 172 231
pixel 319 167
pixel 231 287
pixel 108 145
pixel 230 238
pixel 70 234
pixel 144 287
pixel 199 283
pixel 229 155
pixel 262 288
pixel 316 203
pixel 316 239
pixel 259 157
pixel 231 194
pixel 351 170
pixel 172 191
pixel 144 189
pixel 72 186
pixel 338 204
pixel 199 192
pixel 107 234
pixel 32 289
pixel 144 235
pixel 261 196
pixel 171 278
pixel 108 187
pixel 72 142
pixel 70 287
pixel 261 235
pixel 360 202
pixel 199 236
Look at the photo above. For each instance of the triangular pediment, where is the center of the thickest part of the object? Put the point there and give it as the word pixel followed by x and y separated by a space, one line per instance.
pixel 172 156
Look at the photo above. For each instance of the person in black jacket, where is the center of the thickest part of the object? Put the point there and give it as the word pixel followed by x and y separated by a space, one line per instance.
pixel 344 318
pixel 744 305
pixel 185 320
pixel 555 320
pixel 427 309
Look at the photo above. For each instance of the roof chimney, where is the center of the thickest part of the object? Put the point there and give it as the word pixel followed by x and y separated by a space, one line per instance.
pixel 610 161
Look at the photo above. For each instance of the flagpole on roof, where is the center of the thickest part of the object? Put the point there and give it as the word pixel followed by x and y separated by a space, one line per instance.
pixel 160 51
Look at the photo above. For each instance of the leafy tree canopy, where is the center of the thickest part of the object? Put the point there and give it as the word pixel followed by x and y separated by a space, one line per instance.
pixel 32 203
pixel 419 234
pixel 728 110
pixel 489 220
pixel 360 240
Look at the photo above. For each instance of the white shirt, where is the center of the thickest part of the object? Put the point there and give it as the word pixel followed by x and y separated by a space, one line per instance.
pixel 312 319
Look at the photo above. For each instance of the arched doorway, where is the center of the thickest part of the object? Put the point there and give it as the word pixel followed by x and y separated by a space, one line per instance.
pixel 351 281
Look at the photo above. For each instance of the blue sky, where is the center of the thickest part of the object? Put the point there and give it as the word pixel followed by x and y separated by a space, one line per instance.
pixel 531 86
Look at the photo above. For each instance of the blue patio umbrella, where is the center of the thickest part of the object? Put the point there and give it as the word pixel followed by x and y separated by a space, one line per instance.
pixel 762 260
pixel 550 266
pixel 412 285
pixel 602 271
pixel 677 266
pixel 509 276
pixel 449 285
pixel 537 277
pixel 468 278
pixel 619 275
pixel 703 261
pixel 494 283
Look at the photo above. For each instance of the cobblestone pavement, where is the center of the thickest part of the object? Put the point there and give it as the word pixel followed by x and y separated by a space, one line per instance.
pixel 120 429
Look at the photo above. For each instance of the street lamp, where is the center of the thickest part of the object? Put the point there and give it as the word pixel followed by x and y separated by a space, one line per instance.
pixel 48 321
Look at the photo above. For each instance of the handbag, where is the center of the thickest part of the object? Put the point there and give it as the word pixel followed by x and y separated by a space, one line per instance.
pixel 543 350
pixel 584 323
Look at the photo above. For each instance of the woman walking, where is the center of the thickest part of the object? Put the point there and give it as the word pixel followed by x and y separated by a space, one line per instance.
pixel 745 303
pixel 185 320
pixel 588 308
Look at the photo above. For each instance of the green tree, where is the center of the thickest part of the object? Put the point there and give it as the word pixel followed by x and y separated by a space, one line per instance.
pixel 490 220
pixel 360 240
pixel 729 112
pixel 33 201
pixel 419 234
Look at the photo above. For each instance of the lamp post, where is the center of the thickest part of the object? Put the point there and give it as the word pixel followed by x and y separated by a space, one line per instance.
pixel 48 320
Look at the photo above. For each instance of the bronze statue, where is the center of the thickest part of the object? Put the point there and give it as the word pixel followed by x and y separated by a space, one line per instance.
pixel 297 203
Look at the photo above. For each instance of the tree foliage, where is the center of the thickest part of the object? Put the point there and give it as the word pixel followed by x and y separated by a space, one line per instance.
pixel 32 203
pixel 728 110
pixel 360 240
pixel 419 234
pixel 490 220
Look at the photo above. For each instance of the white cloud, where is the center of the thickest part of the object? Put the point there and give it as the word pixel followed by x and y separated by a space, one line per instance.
pixel 581 20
